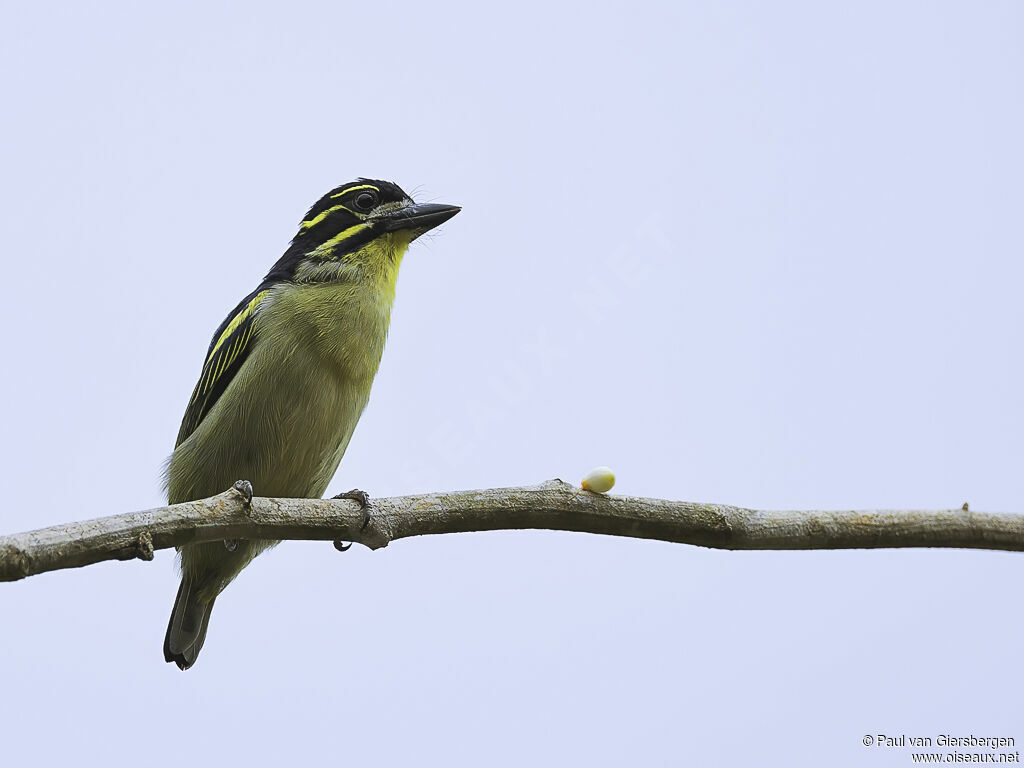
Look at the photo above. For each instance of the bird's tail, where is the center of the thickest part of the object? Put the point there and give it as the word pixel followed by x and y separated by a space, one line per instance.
pixel 186 630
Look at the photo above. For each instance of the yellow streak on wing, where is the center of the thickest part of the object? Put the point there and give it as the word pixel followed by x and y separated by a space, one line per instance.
pixel 355 189
pixel 234 351
pixel 212 372
pixel 238 319
pixel 198 391
pixel 220 368
pixel 245 339
pixel 201 387
pixel 208 379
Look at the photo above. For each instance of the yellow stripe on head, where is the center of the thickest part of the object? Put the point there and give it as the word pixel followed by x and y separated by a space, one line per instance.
pixel 354 189
pixel 321 216
pixel 325 249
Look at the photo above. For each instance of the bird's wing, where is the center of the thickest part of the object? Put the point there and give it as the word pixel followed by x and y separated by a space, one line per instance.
pixel 231 345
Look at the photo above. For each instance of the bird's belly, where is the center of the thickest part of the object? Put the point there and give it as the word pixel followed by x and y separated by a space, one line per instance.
pixel 281 424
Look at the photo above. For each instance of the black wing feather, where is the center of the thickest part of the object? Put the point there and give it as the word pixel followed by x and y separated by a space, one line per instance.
pixel 231 345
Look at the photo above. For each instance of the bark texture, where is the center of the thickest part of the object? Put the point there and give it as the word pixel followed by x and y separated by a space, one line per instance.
pixel 553 505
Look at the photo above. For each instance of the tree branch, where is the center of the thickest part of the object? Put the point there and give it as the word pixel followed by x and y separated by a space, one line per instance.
pixel 553 505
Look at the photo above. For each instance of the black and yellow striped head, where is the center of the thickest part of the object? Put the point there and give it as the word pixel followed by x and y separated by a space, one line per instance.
pixel 363 225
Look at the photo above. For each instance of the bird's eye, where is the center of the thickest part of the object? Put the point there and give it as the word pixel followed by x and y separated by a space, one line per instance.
pixel 365 201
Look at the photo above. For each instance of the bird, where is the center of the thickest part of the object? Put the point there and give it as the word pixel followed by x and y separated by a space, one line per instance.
pixel 287 376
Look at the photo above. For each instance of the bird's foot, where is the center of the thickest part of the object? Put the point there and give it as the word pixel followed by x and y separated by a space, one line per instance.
pixel 244 488
pixel 364 503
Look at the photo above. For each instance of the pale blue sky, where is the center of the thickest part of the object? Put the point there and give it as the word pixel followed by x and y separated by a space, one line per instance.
pixel 765 254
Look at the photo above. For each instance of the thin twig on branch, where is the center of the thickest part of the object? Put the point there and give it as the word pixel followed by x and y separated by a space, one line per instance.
pixel 553 506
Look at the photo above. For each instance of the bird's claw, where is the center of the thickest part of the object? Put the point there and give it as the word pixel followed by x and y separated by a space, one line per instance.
pixel 355 495
pixel 364 503
pixel 244 487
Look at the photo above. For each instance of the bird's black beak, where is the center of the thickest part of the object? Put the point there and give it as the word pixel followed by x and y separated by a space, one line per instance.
pixel 419 218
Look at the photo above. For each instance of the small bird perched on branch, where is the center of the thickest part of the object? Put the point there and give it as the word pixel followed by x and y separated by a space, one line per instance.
pixel 287 376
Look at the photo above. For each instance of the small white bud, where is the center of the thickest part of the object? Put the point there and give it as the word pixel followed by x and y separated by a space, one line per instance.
pixel 599 480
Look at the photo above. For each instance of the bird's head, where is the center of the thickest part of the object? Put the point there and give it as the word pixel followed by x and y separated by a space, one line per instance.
pixel 359 230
